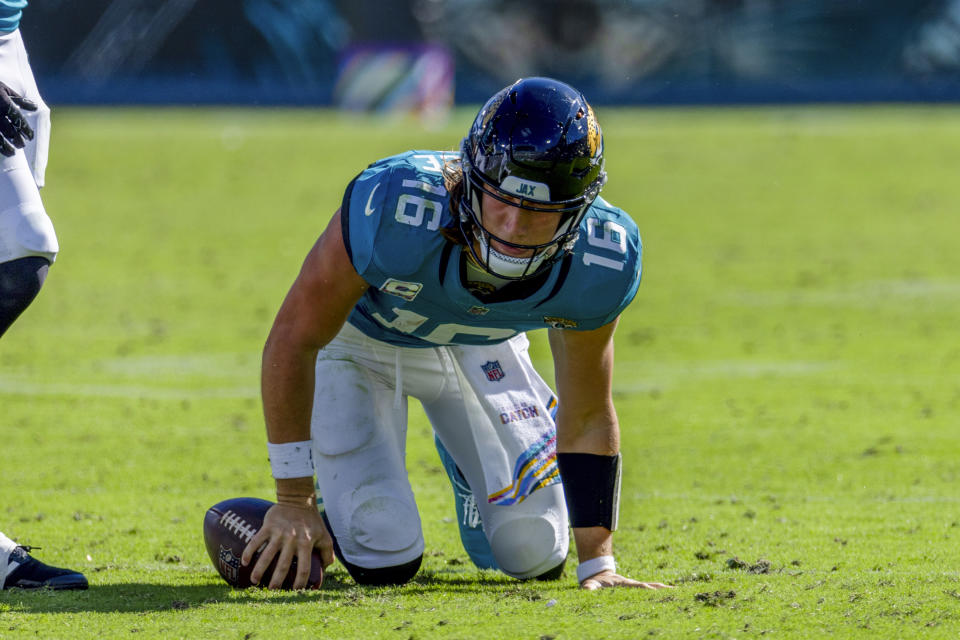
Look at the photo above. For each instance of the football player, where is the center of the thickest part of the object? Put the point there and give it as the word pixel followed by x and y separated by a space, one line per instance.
pixel 424 284
pixel 28 244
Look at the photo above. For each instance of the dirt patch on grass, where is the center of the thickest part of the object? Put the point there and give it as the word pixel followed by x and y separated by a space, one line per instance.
pixel 715 598
pixel 761 566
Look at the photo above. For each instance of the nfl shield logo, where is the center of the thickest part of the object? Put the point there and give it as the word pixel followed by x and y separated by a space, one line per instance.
pixel 229 564
pixel 493 370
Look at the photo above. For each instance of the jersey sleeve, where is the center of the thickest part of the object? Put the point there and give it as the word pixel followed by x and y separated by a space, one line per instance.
pixel 391 216
pixel 632 285
pixel 606 268
pixel 360 217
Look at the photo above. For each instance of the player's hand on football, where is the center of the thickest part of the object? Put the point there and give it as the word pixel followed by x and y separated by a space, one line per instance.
pixel 288 532
pixel 13 126
pixel 608 578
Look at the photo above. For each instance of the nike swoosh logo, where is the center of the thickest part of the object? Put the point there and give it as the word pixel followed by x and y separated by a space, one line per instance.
pixel 367 211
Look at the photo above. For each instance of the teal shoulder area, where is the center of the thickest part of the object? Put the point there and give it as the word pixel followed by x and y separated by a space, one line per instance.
pixel 607 260
pixel 394 211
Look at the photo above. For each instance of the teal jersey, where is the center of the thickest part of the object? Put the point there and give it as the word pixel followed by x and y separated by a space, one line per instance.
pixel 392 215
pixel 10 12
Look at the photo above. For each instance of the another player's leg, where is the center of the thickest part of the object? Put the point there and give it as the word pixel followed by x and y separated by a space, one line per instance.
pixel 28 243
pixel 20 282
pixel 19 570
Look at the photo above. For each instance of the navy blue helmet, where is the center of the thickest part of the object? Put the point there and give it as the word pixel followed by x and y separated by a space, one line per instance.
pixel 535 144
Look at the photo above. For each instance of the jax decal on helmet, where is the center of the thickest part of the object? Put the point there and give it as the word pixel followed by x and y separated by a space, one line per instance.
pixel 536 142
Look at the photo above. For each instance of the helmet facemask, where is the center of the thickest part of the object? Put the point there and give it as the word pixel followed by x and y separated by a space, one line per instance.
pixel 478 236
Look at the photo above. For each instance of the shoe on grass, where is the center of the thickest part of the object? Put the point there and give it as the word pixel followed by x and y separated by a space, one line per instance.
pixel 23 571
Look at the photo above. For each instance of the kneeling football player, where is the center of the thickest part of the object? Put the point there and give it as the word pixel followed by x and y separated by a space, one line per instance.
pixel 424 285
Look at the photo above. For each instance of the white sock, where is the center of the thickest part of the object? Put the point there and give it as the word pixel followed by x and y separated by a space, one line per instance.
pixel 6 566
pixel 6 544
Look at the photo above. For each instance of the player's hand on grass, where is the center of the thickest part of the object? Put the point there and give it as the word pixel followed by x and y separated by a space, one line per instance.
pixel 288 532
pixel 13 126
pixel 608 578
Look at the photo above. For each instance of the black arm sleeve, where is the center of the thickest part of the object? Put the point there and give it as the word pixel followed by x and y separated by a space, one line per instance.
pixel 591 486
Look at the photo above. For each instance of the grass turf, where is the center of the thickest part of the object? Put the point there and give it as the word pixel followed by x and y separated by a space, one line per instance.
pixel 787 379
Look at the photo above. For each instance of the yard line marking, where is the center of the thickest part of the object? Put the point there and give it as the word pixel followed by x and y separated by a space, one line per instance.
pixel 218 365
pixel 26 388
pixel 864 294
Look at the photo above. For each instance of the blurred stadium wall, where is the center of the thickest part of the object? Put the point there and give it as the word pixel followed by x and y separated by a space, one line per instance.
pixel 423 54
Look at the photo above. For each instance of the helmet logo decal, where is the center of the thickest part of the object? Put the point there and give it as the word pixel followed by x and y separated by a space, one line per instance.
pixel 593 131
pixel 526 188
pixel 557 322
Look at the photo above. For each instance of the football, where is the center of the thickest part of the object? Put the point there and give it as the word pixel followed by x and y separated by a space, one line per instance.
pixel 227 528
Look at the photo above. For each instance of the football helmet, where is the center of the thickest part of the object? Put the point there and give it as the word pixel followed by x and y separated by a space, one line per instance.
pixel 535 144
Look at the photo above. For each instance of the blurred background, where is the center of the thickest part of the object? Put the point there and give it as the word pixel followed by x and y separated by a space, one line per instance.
pixel 425 55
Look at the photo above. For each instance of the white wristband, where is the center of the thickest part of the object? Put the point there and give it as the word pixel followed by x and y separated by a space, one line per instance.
pixel 593 566
pixel 291 459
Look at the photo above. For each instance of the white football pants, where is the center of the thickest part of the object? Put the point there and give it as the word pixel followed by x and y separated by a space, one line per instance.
pixel 359 429
pixel 6 547
pixel 25 229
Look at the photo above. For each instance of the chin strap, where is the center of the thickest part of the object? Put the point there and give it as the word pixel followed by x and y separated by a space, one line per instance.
pixel 503 265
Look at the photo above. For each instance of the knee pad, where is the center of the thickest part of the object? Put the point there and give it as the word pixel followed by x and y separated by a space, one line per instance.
pixel 384 525
pixel 375 530
pixel 381 576
pixel 20 282
pixel 529 547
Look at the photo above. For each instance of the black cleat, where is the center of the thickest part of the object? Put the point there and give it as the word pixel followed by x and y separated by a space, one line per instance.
pixel 30 573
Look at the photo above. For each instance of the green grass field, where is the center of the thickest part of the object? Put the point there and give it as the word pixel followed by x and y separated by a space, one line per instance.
pixel 788 379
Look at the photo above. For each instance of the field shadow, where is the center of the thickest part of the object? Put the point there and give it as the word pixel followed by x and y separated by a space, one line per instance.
pixel 138 598
pixel 431 582
pixel 142 597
